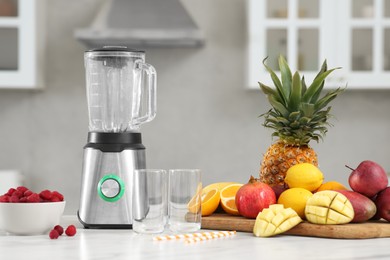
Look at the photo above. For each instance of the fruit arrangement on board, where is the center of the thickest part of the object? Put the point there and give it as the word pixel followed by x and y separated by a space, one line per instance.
pixel 323 203
pixel 291 187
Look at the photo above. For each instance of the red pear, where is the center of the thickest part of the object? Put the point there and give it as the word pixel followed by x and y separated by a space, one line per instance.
pixel 364 207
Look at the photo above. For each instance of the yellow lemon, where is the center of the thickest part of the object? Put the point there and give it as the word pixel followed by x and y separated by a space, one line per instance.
pixel 228 196
pixel 296 199
pixel 304 175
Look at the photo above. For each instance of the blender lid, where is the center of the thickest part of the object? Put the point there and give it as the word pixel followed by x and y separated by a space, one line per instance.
pixel 113 56
pixel 115 49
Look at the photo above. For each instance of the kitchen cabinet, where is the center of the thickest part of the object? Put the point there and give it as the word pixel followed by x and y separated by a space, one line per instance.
pixel 21 44
pixel 352 34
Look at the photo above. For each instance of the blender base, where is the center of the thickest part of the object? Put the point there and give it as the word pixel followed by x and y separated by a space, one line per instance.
pixel 104 226
pixel 107 180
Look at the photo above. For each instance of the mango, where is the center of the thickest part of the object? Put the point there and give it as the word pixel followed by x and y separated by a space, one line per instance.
pixel 329 207
pixel 275 220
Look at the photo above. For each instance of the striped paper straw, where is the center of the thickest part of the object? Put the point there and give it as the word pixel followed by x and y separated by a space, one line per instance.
pixel 213 235
pixel 190 236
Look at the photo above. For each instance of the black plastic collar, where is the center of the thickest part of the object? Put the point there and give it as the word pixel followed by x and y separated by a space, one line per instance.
pixel 114 142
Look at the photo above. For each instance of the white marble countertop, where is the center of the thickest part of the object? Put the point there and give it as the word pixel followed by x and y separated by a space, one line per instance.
pixel 125 244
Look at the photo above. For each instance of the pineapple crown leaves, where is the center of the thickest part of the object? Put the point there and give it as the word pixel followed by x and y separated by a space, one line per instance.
pixel 299 113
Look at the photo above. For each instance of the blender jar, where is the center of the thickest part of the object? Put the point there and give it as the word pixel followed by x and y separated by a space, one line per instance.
pixel 121 89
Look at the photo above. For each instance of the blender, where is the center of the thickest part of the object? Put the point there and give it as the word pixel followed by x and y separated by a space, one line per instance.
pixel 121 95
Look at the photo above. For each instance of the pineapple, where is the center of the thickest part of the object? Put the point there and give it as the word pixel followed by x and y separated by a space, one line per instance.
pixel 298 115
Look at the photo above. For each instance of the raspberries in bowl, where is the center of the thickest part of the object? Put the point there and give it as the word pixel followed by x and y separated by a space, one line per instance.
pixel 24 212
pixel 24 195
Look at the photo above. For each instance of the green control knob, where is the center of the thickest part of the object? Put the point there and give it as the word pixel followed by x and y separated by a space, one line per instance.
pixel 111 188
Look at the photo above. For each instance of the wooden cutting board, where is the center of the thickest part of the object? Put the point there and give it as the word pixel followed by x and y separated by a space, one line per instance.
pixel 372 229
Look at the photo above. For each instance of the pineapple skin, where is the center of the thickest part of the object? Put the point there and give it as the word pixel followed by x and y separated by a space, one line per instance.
pixel 280 157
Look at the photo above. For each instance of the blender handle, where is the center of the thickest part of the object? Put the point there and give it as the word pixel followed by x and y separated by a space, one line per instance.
pixel 152 82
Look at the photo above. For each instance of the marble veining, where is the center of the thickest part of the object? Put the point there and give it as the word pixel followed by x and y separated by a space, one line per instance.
pixel 125 244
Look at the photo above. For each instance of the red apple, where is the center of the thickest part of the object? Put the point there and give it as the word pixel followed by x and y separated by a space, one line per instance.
pixel 382 203
pixel 253 197
pixel 368 178
pixel 363 207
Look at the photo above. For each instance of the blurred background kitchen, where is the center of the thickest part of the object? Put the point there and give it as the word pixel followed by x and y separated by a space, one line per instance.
pixel 208 102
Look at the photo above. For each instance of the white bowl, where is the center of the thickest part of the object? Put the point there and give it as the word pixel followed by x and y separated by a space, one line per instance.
pixel 30 218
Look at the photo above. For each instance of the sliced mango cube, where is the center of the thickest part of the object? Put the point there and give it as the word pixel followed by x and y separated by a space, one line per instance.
pixel 329 207
pixel 275 220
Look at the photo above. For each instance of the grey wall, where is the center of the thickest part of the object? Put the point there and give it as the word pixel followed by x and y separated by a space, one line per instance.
pixel 206 118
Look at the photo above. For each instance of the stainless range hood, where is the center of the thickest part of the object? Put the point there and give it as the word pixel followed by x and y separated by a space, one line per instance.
pixel 142 23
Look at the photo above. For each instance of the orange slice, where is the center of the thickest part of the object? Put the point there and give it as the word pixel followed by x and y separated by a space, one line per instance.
pixel 210 201
pixel 194 205
pixel 229 206
pixel 228 196
pixel 218 185
pixel 208 204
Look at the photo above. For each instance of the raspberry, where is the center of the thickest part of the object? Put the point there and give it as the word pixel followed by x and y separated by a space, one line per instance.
pixel 45 195
pixel 10 192
pixel 59 229
pixel 54 199
pixel 70 231
pixel 33 198
pixel 27 193
pixel 4 198
pixel 56 194
pixel 22 189
pixel 14 199
pixel 18 194
pixel 53 234
pixel 23 199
